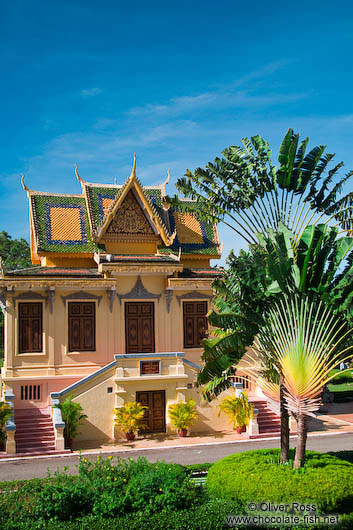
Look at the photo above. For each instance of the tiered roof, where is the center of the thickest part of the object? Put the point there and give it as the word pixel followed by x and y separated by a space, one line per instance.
pixel 74 224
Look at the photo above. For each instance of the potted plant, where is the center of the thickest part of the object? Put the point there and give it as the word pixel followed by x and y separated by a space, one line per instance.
pixel 129 418
pixel 182 416
pixel 72 414
pixel 239 411
pixel 5 414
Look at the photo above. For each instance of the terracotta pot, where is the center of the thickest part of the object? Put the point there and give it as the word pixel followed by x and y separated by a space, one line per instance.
pixel 240 429
pixel 182 433
pixel 130 436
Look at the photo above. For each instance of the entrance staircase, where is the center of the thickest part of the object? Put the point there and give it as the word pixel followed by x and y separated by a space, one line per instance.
pixel 269 422
pixel 35 432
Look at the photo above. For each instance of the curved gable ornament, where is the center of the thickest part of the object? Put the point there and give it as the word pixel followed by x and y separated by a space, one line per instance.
pixel 139 291
pixel 29 295
pixel 194 295
pixel 81 295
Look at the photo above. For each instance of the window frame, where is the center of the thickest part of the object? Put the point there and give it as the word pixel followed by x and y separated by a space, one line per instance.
pixel 71 350
pixel 196 344
pixel 40 350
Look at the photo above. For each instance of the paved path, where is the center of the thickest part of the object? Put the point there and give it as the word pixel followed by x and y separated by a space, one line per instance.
pixel 26 468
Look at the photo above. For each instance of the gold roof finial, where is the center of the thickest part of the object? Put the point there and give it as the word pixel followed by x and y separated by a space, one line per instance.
pixel 133 172
pixel 165 184
pixel 24 185
pixel 80 179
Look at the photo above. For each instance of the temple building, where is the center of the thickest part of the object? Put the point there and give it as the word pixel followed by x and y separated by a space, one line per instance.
pixel 114 310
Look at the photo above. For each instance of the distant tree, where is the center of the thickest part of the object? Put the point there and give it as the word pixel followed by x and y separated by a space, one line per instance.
pixel 15 253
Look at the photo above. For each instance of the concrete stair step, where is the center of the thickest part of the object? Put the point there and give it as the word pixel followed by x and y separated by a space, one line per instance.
pixel 26 425
pixel 32 419
pixel 269 427
pixel 31 414
pixel 34 436
pixel 267 417
pixel 23 447
pixel 34 427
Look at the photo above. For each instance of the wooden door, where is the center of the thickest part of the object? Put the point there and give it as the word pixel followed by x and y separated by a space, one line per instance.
pixel 154 418
pixel 139 327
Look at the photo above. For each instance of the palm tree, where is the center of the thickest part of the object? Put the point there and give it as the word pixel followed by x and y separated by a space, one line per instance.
pixel 285 211
pixel 303 335
pixel 246 192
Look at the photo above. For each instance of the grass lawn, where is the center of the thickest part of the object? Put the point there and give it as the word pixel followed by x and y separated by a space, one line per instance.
pixel 342 385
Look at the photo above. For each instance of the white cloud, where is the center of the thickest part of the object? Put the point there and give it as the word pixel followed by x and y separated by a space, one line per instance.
pixel 241 93
pixel 89 92
pixel 171 135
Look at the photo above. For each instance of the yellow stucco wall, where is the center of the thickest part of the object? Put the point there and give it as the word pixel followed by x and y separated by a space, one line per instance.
pixel 56 367
pixel 99 405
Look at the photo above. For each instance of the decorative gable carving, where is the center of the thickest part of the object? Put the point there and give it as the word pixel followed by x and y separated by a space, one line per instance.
pixel 129 221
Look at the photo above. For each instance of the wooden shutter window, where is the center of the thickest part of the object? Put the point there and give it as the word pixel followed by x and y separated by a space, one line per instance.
pixel 139 327
pixel 82 326
pixel 195 323
pixel 30 327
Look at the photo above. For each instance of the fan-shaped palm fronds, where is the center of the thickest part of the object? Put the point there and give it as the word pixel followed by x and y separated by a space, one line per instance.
pixel 244 190
pixel 303 337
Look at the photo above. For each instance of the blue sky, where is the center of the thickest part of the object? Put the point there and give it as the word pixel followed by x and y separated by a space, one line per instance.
pixel 91 82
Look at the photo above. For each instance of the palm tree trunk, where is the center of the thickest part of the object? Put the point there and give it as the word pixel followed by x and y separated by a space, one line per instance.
pixel 284 417
pixel 301 442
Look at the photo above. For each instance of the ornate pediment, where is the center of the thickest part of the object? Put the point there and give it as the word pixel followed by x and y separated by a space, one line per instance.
pixel 132 216
pixel 129 221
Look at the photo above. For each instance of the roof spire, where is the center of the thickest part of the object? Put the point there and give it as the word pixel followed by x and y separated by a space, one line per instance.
pixel 24 185
pixel 133 172
pixel 80 179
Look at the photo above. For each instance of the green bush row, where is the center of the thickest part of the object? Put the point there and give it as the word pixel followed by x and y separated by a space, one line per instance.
pixel 210 516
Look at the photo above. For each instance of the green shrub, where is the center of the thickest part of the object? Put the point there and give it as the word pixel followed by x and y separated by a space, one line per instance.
pixel 72 414
pixel 341 377
pixel 147 488
pixel 103 489
pixel 64 499
pixel 194 468
pixel 257 476
pixel 5 414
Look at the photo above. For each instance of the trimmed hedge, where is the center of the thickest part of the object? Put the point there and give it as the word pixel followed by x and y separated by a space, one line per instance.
pixel 257 476
pixel 210 516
